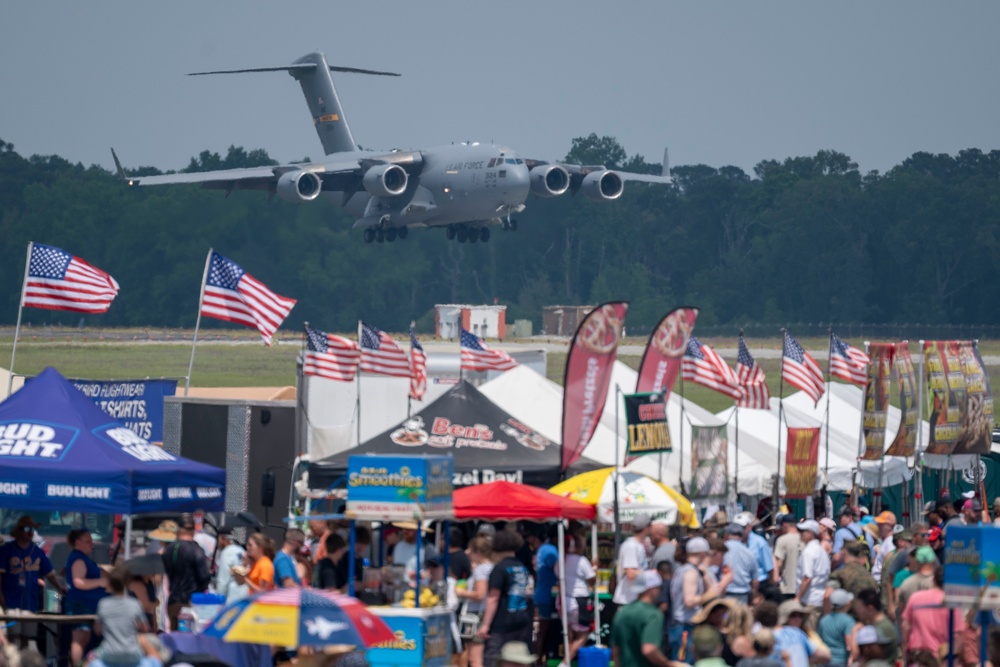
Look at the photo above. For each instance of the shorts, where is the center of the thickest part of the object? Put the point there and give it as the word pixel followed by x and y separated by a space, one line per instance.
pixel 79 608
pixel 497 639
pixel 546 610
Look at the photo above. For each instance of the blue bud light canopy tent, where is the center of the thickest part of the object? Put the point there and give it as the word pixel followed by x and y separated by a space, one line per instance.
pixel 60 451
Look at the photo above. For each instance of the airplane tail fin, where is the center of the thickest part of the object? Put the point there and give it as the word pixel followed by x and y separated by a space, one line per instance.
pixel 313 74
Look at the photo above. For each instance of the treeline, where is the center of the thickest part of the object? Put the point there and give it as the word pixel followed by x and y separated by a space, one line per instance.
pixel 807 239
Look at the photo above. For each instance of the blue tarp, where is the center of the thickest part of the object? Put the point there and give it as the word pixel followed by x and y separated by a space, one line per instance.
pixel 60 451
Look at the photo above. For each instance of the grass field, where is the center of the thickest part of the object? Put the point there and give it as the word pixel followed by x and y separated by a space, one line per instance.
pixel 237 358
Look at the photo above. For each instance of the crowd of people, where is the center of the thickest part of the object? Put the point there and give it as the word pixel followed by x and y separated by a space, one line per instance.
pixel 850 589
pixel 846 590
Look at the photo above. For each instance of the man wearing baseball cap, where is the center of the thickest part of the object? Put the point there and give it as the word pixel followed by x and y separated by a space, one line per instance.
pixel 690 588
pixel 921 580
pixel 849 530
pixel 835 627
pixel 632 561
pixel 786 556
pixel 886 525
pixel 814 566
pixel 637 631
pixel 22 563
pixel 873 647
pixel 758 545
pixel 743 564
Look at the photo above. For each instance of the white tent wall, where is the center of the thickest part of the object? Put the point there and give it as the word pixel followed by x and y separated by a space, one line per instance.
pixel 538 402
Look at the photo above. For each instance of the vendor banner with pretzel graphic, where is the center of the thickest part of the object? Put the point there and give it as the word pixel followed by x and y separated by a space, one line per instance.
pixel 877 399
pixel 661 362
pixel 801 462
pixel 945 393
pixel 976 431
pixel 905 442
pixel 589 364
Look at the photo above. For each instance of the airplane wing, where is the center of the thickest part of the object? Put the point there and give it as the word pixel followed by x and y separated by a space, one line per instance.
pixel 577 172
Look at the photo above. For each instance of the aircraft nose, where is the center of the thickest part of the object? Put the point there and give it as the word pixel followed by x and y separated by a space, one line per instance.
pixel 518 184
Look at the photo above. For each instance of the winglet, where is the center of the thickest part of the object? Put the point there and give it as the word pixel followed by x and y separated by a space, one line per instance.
pixel 118 168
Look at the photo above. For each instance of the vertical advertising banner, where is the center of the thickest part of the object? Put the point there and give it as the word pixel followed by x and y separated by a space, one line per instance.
pixel 589 364
pixel 646 424
pixel 945 394
pixel 976 433
pixel 905 442
pixel 877 390
pixel 802 461
pixel 662 359
pixel 709 464
pixel 136 403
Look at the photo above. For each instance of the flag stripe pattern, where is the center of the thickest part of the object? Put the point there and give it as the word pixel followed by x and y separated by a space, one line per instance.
pixel 702 365
pixel 233 295
pixel 330 356
pixel 418 370
pixel 756 395
pixel 799 369
pixel 59 281
pixel 477 356
pixel 848 363
pixel 381 355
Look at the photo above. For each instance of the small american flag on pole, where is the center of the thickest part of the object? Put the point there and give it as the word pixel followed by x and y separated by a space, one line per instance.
pixel 56 280
pixel 476 356
pixel 330 356
pixel 418 363
pixel 800 370
pixel 381 355
pixel 756 395
pixel 233 295
pixel 848 363
pixel 702 365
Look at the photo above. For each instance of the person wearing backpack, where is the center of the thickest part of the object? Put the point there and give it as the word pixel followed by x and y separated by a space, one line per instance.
pixel 850 530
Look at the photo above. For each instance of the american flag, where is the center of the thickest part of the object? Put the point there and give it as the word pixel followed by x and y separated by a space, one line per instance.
pixel 418 371
pixel 476 356
pixel 848 363
pixel 800 370
pixel 702 365
pixel 381 355
pixel 756 395
pixel 59 281
pixel 330 356
pixel 233 295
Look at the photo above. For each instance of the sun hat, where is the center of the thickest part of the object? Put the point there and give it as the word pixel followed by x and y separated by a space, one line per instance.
pixel 789 607
pixel 709 607
pixel 165 532
pixel 410 525
pixel 745 519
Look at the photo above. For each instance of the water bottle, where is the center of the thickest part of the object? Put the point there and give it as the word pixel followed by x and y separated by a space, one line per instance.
pixel 187 620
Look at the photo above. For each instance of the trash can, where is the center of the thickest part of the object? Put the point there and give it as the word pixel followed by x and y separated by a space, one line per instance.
pixel 593 656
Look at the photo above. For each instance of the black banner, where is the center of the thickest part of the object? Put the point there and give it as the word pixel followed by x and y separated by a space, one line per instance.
pixel 646 419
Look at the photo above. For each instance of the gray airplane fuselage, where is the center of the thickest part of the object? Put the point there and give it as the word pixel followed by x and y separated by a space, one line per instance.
pixel 459 183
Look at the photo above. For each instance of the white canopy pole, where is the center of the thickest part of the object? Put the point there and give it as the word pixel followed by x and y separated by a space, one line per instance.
pixel 597 606
pixel 128 537
pixel 562 590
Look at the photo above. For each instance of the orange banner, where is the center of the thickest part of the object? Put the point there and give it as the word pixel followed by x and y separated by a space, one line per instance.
pixel 801 462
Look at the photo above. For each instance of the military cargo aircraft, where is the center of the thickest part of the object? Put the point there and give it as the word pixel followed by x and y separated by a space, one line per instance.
pixel 463 188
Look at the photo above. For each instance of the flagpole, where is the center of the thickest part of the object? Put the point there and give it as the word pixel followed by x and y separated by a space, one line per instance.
pixel 918 467
pixel 680 465
pixel 197 324
pixel 357 402
pixel 781 407
pixel 829 388
pixel 20 309
pixel 881 467
pixel 736 475
pixel 861 427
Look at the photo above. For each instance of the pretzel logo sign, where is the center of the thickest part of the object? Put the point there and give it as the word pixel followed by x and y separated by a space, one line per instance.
pixel 601 330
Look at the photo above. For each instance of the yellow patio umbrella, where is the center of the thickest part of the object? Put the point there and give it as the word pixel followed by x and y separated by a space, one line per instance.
pixel 636 494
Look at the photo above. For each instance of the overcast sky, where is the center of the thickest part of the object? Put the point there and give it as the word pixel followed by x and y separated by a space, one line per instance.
pixel 719 83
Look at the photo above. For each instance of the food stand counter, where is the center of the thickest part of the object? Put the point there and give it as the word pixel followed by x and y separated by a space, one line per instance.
pixel 423 637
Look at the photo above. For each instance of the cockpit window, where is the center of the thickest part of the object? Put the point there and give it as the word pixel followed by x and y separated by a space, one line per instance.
pixel 510 160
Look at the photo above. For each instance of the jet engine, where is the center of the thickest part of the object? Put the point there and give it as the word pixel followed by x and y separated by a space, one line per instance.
pixel 602 186
pixel 385 180
pixel 549 180
pixel 299 186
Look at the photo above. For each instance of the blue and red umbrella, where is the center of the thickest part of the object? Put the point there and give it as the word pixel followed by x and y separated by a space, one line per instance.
pixel 299 617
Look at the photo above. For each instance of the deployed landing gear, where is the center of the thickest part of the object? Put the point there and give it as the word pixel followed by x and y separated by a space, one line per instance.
pixel 369 235
pixel 449 232
pixel 380 235
pixel 462 234
pixel 484 234
pixel 403 232
pixel 390 234
pixel 510 224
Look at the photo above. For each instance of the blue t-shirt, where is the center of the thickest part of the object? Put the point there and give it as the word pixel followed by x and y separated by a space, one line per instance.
pixel 20 570
pixel 545 563
pixel 284 567
pixel 82 602
pixel 833 628
pixel 793 640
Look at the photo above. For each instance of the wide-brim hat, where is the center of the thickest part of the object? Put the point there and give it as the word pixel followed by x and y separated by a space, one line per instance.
pixel 24 522
pixel 165 532
pixel 410 525
pixel 709 607
pixel 789 607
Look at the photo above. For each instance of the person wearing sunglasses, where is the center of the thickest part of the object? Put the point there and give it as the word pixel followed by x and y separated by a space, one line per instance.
pixel 22 564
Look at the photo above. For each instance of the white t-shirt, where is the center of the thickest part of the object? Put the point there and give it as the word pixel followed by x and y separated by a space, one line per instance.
pixel 631 554
pixel 578 571
pixel 883 550
pixel 815 564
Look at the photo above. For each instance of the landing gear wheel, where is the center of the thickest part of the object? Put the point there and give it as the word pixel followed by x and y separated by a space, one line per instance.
pixel 462 234
pixel 369 235
pixel 390 234
pixel 449 232
pixel 484 234
pixel 403 232
pixel 473 235
pixel 380 235
pixel 512 225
